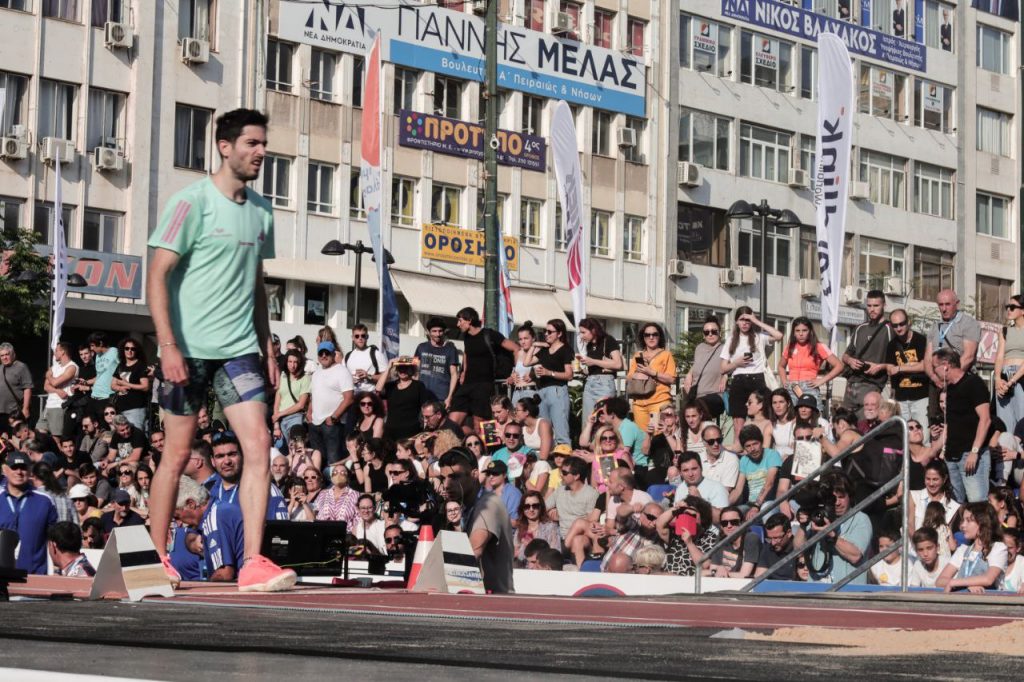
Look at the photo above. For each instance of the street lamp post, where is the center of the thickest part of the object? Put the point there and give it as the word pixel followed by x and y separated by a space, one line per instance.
pixel 337 248
pixel 783 218
pixel 74 280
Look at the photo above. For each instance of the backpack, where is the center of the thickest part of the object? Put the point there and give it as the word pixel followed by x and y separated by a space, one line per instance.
pixel 373 357
pixel 504 360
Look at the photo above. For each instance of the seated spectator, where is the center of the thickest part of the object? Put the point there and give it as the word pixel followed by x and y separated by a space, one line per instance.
pixel 719 464
pixel 888 570
pixel 618 563
pixel 695 484
pixel 513 445
pixel 779 543
pixel 549 559
pixel 64 545
pixel 607 454
pixel 844 549
pixel 298 507
pixel 371 475
pixel 535 474
pixel 300 455
pixel 978 565
pixel 1006 507
pixel 937 488
pixel 802 432
pixel 649 560
pixel 92 534
pixel 634 530
pixel 452 516
pixel 121 514
pixel 739 558
pixel 70 459
pixel 533 525
pixel 759 470
pixel 95 439
pixel 573 500
pixel 126 445
pixel 496 480
pixel 314 483
pixel 1013 577
pixel 369 528
pixel 85 504
pixel 687 532
pixel 338 503
pixel 871 417
pixel 533 548
pixel 928 567
pixel 47 484
pixel 278 467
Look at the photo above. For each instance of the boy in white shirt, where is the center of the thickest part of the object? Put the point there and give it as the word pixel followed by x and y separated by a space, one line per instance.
pixel 887 571
pixel 1013 577
pixel 928 566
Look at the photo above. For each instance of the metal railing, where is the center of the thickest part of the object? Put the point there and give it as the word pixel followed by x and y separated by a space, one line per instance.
pixel 902 478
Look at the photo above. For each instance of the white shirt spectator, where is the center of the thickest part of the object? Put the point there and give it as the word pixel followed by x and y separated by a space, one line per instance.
pixel 725 470
pixel 919 577
pixel 357 359
pixel 711 491
pixel 374 534
pixel 54 401
pixel 327 389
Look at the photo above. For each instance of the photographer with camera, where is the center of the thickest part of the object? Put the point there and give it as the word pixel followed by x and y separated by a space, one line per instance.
pixel 841 551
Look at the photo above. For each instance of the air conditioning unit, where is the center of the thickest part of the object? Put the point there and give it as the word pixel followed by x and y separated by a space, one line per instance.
pixel 52 145
pixel 563 24
pixel 860 191
pixel 625 137
pixel 15 145
pixel 853 295
pixel 688 174
pixel 734 277
pixel 895 286
pixel 678 269
pixel 195 51
pixel 810 288
pixel 478 6
pixel 798 178
pixel 117 35
pixel 107 158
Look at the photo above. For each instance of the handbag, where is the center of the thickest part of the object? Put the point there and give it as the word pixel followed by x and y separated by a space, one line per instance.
pixel 691 395
pixel 642 387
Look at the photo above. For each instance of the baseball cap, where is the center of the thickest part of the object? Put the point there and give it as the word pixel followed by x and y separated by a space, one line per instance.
pixel 16 458
pixel 807 401
pixel 325 345
pixel 561 449
pixel 121 496
pixel 79 491
pixel 498 468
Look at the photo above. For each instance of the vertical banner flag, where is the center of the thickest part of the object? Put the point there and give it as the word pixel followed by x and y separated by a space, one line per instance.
pixel 570 194
pixel 60 262
pixel 831 179
pixel 370 188
pixel 505 318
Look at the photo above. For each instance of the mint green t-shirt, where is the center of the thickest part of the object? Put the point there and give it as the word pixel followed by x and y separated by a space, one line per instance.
pixel 212 289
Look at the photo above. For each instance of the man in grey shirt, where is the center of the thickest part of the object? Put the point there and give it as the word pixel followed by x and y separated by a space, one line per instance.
pixel 572 500
pixel 484 518
pixel 15 386
pixel 956 330
pixel 867 353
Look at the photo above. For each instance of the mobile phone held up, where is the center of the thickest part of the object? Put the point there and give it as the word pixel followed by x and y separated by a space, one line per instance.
pixel 640 359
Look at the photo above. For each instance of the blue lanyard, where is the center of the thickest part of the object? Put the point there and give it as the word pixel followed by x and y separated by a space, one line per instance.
pixel 944 332
pixel 231 498
pixel 21 505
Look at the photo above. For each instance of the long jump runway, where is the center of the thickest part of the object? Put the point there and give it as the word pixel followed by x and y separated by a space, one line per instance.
pixel 387 631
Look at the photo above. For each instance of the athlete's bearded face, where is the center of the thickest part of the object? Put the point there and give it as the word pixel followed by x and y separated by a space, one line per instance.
pixel 245 156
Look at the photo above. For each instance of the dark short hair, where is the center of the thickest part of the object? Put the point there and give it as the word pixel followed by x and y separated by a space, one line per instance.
pixel 66 535
pixel 435 322
pixel 535 545
pixel 577 465
pixel 458 456
pixel 87 469
pixel 469 315
pixel 367 496
pixel 876 294
pixel 948 354
pixel 360 327
pixel 777 520
pixel 690 456
pixel 98 339
pixel 617 406
pixel 925 534
pixel 750 432
pixel 231 124
pixel 550 559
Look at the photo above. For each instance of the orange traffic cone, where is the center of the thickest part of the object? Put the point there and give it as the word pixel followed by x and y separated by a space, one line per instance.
pixel 426 541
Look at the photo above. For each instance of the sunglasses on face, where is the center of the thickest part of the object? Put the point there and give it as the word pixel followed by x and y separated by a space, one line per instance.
pixel 730 522
pixel 713 441
pixel 474 444
pixel 391 541
pixel 651 335
pixel 804 438
pixel 914 427
pixel 710 332
pixel 609 439
pixel 566 473
pixel 18 467
pixel 651 517
pixel 366 404
pixel 899 325
pixel 131 349
pixel 1012 306
pixel 111 413
pixel 531 506
pixel 125 472
pixel 359 336
pixel 515 435
pixel 396 472
pixel 550 331
pixel 324 353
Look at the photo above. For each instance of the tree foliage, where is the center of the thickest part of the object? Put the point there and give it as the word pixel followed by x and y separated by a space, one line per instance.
pixel 23 300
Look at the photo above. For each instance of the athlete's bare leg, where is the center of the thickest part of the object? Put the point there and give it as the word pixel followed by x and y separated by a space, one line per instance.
pixel 163 494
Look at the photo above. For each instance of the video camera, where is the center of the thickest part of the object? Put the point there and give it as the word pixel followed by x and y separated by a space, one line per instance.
pixel 818 501
pixel 413 500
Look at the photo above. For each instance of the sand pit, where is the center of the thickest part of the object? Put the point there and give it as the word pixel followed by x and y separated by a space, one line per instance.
pixel 1000 640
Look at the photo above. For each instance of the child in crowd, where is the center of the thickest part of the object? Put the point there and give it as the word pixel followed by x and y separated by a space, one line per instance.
pixel 935 518
pixel 1013 578
pixel 929 565
pixel 887 571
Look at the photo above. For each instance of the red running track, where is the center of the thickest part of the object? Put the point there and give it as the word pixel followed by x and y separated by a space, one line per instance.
pixel 709 613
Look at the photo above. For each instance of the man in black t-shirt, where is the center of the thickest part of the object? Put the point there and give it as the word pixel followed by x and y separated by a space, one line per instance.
pixel 127 443
pixel 476 383
pixel 905 363
pixel 121 515
pixel 967 424
pixel 778 542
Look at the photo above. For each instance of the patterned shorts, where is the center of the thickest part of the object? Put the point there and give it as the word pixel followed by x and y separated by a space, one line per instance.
pixel 235 380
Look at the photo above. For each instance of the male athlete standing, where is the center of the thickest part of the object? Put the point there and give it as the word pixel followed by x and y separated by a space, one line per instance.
pixel 204 283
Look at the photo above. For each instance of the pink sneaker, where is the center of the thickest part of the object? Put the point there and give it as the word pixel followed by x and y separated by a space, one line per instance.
pixel 260 574
pixel 172 572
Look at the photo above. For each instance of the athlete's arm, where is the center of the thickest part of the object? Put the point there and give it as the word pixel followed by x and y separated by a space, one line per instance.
pixel 161 262
pixel 261 319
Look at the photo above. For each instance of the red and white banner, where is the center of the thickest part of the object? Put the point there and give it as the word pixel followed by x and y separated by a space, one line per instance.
pixel 570 194
pixel 831 179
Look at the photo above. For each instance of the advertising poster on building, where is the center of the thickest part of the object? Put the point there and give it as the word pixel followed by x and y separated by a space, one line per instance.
pixel 460 138
pixel 455 245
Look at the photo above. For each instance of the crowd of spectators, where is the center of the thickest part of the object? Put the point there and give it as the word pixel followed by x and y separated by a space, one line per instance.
pixel 654 477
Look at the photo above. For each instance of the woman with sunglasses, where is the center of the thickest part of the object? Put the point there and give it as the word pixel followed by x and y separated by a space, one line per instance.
pixel 552 366
pixel 603 361
pixel 738 559
pixel 606 454
pixel 299 508
pixel 705 380
pixel 537 432
pixel 300 455
pixel 314 482
pixel 1009 369
pixel 801 362
pixel 405 397
pixel 533 525
pixel 667 440
pixel 338 503
pixel 653 362
pixel 686 540
pixel 744 356
pixel 131 383
pixel 126 472
pixel 521 380
pixel 475 445
pixel 291 398
pixel 84 502
pixel 921 454
pixel 369 422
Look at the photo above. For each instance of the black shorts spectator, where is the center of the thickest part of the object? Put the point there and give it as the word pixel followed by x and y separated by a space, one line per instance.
pixel 474 399
pixel 740 388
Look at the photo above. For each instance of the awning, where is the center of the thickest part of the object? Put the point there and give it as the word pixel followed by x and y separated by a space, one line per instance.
pixel 318 271
pixel 443 296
